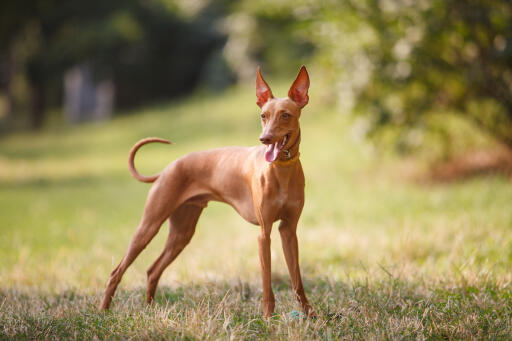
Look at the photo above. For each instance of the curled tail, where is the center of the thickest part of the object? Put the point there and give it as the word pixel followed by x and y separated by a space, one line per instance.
pixel 131 158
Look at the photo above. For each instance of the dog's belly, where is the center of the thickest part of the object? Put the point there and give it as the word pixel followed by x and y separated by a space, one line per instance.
pixel 241 200
pixel 246 210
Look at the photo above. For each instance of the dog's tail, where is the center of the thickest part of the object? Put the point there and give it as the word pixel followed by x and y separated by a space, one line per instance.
pixel 131 159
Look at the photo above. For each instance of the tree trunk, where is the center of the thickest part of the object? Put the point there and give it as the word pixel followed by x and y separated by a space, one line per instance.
pixel 9 70
pixel 38 105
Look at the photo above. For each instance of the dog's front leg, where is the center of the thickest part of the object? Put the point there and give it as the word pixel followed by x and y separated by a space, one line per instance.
pixel 265 262
pixel 288 231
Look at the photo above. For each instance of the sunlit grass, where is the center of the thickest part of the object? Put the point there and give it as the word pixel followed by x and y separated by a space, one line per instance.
pixel 381 256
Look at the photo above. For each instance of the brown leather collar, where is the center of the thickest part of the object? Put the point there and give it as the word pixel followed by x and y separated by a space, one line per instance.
pixel 287 162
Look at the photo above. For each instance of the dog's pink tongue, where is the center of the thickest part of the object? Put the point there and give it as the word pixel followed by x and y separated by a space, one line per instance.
pixel 272 152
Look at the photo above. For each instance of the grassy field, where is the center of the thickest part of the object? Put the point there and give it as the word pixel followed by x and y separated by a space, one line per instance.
pixel 382 257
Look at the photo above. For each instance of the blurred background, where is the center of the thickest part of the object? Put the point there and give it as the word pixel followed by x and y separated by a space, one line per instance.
pixel 402 67
pixel 406 142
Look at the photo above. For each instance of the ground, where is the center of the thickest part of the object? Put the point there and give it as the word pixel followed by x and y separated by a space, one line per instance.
pixel 382 256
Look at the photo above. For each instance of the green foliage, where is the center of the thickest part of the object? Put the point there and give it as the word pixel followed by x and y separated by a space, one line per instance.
pixel 437 57
pixel 278 39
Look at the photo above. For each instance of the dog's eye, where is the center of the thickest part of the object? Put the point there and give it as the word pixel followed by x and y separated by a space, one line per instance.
pixel 285 115
pixel 263 116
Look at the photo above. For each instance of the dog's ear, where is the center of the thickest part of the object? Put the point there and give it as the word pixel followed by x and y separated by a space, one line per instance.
pixel 299 90
pixel 263 92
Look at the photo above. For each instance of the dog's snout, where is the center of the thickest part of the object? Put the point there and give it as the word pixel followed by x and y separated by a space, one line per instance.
pixel 266 139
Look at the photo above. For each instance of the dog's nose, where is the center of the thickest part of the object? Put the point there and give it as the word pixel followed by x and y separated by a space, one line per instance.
pixel 266 139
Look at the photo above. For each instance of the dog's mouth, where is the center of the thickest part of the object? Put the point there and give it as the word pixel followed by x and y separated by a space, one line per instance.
pixel 275 148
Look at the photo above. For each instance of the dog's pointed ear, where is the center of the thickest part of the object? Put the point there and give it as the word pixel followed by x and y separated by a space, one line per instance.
pixel 299 90
pixel 263 92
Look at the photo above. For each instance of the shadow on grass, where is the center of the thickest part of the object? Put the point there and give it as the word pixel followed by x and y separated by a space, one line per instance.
pixel 389 308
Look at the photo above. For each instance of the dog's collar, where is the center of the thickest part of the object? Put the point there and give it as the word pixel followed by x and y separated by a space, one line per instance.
pixel 287 162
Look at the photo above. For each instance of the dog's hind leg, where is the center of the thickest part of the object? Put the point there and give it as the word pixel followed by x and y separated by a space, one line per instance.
pixel 182 225
pixel 159 207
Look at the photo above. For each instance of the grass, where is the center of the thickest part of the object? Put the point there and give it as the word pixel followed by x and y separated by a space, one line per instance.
pixel 381 257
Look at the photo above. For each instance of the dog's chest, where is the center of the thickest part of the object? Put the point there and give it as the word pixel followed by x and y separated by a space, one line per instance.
pixel 276 191
pixel 279 197
pixel 280 191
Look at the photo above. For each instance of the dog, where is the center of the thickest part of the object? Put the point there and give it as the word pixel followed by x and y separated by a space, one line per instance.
pixel 262 183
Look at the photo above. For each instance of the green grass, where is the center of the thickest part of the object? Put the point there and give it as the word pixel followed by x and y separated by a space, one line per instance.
pixel 382 257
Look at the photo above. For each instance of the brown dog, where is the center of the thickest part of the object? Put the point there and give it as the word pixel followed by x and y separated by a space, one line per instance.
pixel 263 184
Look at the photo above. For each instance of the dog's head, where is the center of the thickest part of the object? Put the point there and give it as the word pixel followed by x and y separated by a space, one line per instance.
pixel 280 116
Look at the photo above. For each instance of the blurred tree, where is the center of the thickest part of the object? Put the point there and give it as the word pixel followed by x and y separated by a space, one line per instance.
pixel 272 34
pixel 147 50
pixel 438 56
pixel 15 19
pixel 397 61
